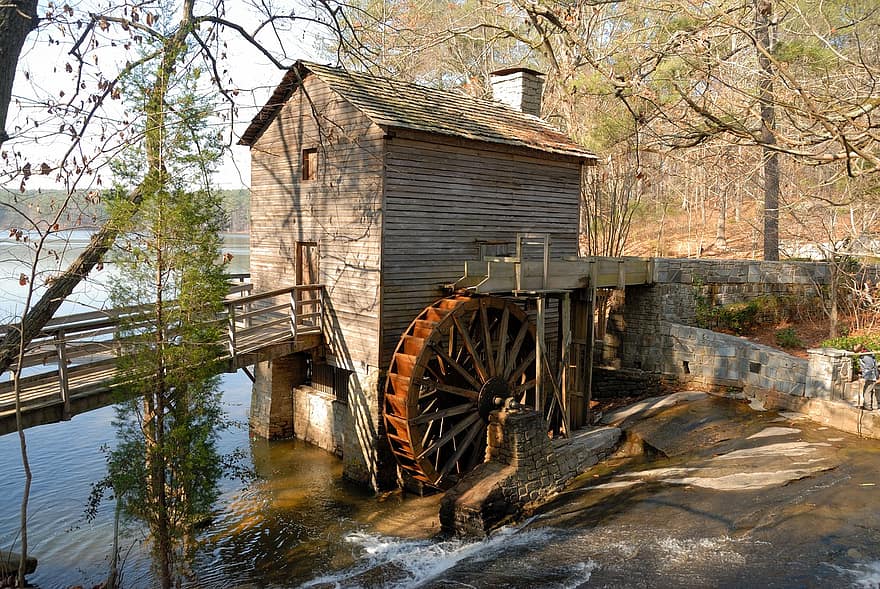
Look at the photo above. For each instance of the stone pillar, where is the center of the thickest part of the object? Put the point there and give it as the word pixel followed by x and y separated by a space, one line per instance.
pixel 829 372
pixel 272 414
pixel 517 437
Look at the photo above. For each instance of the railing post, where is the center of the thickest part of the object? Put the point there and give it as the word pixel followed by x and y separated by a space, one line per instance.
pixel 230 329
pixel 63 379
pixel 293 313
pixel 320 309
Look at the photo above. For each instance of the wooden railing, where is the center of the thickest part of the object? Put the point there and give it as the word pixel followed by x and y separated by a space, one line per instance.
pixel 75 355
pixel 256 320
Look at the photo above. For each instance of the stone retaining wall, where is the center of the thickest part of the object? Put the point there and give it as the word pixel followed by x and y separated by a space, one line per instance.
pixel 613 382
pixel 678 283
pixel 716 360
pixel 523 466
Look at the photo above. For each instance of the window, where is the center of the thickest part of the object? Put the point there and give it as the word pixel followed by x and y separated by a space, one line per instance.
pixel 310 164
pixel 331 381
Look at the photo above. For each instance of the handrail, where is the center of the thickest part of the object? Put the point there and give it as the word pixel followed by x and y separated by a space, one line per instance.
pixel 74 342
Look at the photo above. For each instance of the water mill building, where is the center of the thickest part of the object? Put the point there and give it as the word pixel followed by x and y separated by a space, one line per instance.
pixel 380 191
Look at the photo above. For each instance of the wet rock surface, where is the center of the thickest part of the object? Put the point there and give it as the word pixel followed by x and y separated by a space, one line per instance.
pixel 726 497
pixel 731 498
pixel 9 563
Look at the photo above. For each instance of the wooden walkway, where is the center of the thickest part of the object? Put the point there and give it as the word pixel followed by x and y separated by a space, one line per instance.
pixel 71 366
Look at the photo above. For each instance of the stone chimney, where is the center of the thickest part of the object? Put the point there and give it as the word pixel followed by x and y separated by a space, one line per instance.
pixel 519 88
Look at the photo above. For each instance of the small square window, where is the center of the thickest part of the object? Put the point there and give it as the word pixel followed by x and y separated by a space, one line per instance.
pixel 310 164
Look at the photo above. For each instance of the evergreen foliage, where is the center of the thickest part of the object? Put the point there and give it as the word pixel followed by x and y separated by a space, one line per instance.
pixel 165 467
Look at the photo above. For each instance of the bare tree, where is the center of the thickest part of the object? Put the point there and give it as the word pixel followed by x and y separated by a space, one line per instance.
pixel 84 118
pixel 17 19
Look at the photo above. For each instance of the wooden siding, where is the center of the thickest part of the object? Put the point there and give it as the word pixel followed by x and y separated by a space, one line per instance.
pixel 442 197
pixel 340 210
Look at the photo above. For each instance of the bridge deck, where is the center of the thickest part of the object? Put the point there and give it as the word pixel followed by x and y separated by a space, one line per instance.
pixel 71 366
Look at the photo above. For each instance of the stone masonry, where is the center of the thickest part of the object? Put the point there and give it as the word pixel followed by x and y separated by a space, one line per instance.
pixel 523 467
pixel 672 296
pixel 272 414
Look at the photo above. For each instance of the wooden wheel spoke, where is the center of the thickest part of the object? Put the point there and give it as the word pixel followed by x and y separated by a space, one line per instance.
pixel 478 453
pixel 471 350
pixel 487 338
pixel 462 448
pixel 520 370
pixel 427 416
pixel 502 341
pixel 521 388
pixel 450 434
pixel 514 349
pixel 448 388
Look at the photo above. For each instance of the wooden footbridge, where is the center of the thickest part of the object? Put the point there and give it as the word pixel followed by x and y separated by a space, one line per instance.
pixel 71 366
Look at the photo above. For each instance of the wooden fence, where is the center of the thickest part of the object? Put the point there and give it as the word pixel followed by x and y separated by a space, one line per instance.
pixel 74 356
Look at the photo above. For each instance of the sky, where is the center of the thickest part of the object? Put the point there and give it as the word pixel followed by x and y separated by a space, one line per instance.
pixel 42 70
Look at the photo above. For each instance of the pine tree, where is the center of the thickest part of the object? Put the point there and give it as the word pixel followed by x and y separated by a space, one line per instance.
pixel 165 468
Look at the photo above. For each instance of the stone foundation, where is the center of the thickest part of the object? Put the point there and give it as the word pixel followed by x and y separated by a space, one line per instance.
pixel 523 467
pixel 272 413
pixel 613 382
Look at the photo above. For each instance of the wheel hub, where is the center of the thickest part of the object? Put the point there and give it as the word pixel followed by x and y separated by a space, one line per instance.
pixel 492 396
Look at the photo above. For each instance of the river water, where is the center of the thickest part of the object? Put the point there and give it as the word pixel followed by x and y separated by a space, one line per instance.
pixel 726 497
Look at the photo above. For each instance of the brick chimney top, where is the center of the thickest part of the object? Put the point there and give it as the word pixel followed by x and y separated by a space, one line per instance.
pixel 519 88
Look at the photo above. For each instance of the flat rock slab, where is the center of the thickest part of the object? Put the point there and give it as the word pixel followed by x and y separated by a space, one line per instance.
pixel 774 431
pixel 494 493
pixel 9 563
pixel 647 407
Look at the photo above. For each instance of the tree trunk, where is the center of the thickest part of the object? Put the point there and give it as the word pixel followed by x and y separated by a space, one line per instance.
pixel 763 18
pixel 62 286
pixel 58 291
pixel 17 19
pixel 721 227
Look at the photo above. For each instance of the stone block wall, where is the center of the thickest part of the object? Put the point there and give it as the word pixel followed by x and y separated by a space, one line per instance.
pixel 613 382
pixel 319 419
pixel 676 281
pixel 639 327
pixel 717 360
pixel 522 467
pixel 272 396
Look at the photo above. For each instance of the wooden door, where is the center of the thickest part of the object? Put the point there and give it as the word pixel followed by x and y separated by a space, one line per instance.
pixel 307 272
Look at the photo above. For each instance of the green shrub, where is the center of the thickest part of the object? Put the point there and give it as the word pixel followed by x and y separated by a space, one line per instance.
pixel 788 338
pixel 849 342
pixel 738 317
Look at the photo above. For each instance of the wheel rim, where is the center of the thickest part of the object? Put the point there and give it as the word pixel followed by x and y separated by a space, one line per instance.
pixel 457 360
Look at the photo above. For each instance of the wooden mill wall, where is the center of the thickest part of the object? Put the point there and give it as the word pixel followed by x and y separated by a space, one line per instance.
pixel 340 210
pixel 444 196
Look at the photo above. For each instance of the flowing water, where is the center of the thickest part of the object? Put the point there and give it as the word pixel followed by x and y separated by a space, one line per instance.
pixel 727 497
pixel 735 499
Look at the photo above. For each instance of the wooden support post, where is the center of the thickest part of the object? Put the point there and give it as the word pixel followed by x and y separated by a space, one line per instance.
pixel 63 377
pixel 539 354
pixel 580 328
pixel 591 337
pixel 230 330
pixel 565 359
pixel 294 311
pixel 621 274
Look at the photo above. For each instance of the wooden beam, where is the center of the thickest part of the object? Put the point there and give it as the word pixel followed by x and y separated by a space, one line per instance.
pixel 63 377
pixel 539 354
pixel 564 327
pixel 588 365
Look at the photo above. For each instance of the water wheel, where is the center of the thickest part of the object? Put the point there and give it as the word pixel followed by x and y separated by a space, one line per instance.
pixel 457 361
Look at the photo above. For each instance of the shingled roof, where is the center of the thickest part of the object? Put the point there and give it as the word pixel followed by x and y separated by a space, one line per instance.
pixel 395 104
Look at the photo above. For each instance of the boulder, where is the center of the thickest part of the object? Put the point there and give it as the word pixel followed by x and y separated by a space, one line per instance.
pixel 9 563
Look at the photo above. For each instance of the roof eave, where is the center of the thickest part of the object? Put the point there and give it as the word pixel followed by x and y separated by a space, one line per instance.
pixel 576 151
pixel 288 85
